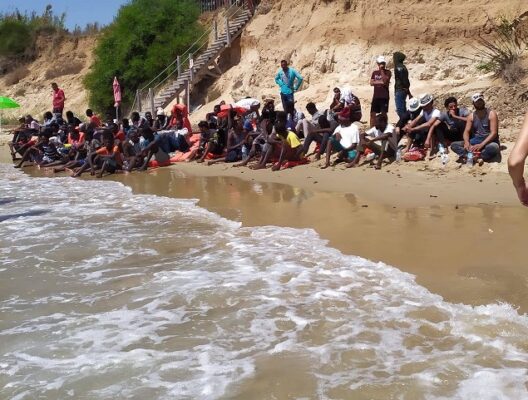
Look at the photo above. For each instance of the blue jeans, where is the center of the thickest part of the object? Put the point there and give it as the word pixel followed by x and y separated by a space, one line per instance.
pixel 288 103
pixel 400 96
pixel 488 153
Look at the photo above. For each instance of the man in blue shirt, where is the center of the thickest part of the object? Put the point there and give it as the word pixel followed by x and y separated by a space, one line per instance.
pixel 289 81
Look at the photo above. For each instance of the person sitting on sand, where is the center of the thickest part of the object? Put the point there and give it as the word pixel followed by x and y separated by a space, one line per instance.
pixel 428 124
pixel 413 111
pixel 44 153
pixel 210 141
pixel 268 110
pixel 151 147
pixel 344 141
pixel 320 136
pixel 132 152
pixel 252 106
pixel 455 118
pixel 336 105
pixel 273 143
pixel 138 121
pixel 76 155
pixel 236 141
pixel 21 139
pixel 161 122
pixel 291 148
pixel 107 158
pixel 381 139
pixel 93 118
pixel 72 119
pixel 304 125
pixel 481 135
pixel 260 138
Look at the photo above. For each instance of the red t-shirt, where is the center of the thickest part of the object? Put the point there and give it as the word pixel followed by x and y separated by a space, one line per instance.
pixel 120 136
pixel 58 98
pixel 381 91
pixel 94 119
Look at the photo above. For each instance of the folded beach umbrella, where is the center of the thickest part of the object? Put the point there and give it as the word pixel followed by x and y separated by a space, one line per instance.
pixel 6 102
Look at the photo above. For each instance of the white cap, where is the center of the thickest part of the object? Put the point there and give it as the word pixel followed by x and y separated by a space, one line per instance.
pixel 476 97
pixel 160 111
pixel 381 60
pixel 413 104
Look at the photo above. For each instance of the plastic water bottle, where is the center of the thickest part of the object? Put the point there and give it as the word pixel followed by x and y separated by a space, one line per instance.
pixel 443 154
pixel 469 160
pixel 398 155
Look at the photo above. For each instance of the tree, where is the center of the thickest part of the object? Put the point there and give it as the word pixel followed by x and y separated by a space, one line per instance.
pixel 145 36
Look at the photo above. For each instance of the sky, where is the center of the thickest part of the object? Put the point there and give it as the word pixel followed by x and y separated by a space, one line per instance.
pixel 78 12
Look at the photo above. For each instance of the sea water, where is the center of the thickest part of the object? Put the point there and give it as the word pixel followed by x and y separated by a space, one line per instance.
pixel 105 294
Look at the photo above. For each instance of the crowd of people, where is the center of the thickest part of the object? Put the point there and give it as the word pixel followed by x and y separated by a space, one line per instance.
pixel 252 133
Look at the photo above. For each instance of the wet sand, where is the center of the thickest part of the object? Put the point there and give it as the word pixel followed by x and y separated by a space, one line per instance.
pixel 460 237
pixel 469 254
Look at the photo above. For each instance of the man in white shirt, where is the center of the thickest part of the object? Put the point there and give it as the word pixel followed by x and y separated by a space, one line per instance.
pixel 381 139
pixel 344 141
pixel 428 128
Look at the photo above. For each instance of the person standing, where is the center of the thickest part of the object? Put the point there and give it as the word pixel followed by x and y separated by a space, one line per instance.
pixel 380 80
pixel 289 81
pixel 58 99
pixel 402 86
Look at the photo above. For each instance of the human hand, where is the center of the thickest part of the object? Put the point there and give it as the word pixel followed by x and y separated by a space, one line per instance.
pixel 467 146
pixel 476 147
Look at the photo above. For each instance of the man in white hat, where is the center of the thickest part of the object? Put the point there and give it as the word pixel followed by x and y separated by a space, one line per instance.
pixel 481 136
pixel 428 125
pixel 380 80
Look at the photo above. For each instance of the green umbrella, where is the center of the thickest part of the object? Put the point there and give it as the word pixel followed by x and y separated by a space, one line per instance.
pixel 6 102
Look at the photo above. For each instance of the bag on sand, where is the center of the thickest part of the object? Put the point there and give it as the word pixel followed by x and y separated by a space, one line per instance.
pixel 414 154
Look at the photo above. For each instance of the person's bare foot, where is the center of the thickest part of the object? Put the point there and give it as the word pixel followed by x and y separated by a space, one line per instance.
pixel 325 166
pixel 480 162
pixel 317 157
pixel 351 165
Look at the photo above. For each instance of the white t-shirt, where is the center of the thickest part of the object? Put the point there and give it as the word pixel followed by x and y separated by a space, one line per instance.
pixel 427 116
pixel 374 133
pixel 349 135
pixel 247 103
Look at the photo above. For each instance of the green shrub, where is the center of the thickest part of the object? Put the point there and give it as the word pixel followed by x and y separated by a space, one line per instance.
pixel 145 36
pixel 17 37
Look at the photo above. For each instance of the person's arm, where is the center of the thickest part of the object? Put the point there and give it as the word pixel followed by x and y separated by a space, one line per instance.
pixel 467 132
pixel 299 79
pixel 278 164
pixel 516 163
pixel 278 80
pixel 494 132
pixel 429 124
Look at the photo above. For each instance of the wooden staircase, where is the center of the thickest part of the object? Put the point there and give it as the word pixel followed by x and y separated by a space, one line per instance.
pixel 178 78
pixel 205 63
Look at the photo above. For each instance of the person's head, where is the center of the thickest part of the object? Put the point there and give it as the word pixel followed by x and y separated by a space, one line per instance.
pixel 69 115
pixel 114 128
pixel 382 63
pixel 48 115
pixel 381 122
pixel 22 120
pixel 29 119
pixel 426 102
pixel 269 104
pixel 413 105
pixel 148 116
pixel 89 113
pixel 478 101
pixel 398 57
pixel 311 108
pixel 160 114
pixel 282 116
pixel 54 127
pixel 216 109
pixel 281 127
pixel 44 138
pixel 284 65
pixel 337 93
pixel 134 116
pixel 344 117
pixel 203 126
pixel 238 123
pixel 451 103
pixel 54 86
pixel 126 123
pixel 107 138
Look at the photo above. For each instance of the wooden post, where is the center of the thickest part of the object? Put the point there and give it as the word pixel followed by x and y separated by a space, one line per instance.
pixel 178 62
pixel 151 99
pixel 191 66
pixel 215 29
pixel 188 95
pixel 228 34
pixel 138 96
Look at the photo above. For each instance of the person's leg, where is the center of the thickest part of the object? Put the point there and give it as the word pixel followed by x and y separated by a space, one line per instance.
pixel 25 157
pixel 400 96
pixel 266 155
pixel 329 147
pixel 311 137
pixel 490 151
pixel 458 148
pixel 205 152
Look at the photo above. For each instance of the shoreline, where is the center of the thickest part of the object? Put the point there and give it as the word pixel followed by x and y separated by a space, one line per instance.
pixel 455 246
